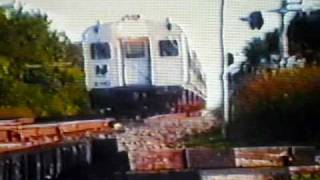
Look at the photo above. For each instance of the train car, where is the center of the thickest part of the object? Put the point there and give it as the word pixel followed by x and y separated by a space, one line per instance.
pixel 141 66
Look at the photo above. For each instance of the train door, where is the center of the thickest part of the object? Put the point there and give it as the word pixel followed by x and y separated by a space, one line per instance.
pixel 136 61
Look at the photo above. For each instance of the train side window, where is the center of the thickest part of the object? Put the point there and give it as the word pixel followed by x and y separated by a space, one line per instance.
pixel 168 48
pixel 134 49
pixel 100 51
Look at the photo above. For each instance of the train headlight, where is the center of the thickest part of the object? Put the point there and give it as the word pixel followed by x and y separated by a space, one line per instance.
pixel 118 127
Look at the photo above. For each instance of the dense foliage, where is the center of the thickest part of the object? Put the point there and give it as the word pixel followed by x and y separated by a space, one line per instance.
pixel 304 36
pixel 39 68
pixel 259 49
pixel 281 108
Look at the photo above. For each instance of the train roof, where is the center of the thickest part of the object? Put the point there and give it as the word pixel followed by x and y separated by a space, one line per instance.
pixel 132 26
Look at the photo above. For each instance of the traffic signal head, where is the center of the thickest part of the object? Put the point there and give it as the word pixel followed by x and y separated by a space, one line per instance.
pixel 255 20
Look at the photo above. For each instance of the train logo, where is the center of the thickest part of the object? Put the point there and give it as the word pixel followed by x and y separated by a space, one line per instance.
pixel 142 66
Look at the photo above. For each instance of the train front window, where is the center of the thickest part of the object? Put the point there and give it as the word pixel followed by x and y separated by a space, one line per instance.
pixel 134 49
pixel 168 48
pixel 100 51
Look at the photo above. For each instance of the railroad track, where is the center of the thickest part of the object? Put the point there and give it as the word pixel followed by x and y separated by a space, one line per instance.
pixel 48 149
pixel 22 133
pixel 152 146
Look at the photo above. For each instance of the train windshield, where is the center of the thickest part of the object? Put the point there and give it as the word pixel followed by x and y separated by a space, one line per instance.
pixel 134 49
pixel 168 48
pixel 100 51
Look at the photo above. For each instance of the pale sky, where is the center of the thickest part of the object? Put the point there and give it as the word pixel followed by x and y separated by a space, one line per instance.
pixel 198 18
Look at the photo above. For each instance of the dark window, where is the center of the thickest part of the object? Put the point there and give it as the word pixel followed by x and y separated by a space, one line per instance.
pixel 100 51
pixel 168 48
pixel 134 49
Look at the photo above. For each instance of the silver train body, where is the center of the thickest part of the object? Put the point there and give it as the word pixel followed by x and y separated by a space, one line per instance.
pixel 141 65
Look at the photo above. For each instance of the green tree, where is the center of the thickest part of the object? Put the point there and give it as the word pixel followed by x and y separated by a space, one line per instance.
pixel 39 68
pixel 304 37
pixel 260 48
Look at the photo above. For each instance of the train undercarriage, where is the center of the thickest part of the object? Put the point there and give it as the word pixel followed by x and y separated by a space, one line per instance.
pixel 145 101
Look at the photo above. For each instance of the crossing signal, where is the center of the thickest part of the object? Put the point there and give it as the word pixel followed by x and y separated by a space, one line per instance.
pixel 255 20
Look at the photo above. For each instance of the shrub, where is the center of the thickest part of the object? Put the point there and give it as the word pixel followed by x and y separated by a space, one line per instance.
pixel 281 108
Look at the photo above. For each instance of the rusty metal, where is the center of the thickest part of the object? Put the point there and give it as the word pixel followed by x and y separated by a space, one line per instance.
pixel 156 160
pixel 299 171
pixel 24 130
pixel 207 158
pixel 276 156
pixel 260 156
pixel 16 122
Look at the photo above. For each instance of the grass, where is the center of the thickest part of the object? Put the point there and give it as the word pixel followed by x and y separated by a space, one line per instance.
pixel 305 177
pixel 212 139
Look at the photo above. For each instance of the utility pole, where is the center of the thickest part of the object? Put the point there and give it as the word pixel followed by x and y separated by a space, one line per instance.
pixel 283 39
pixel 224 74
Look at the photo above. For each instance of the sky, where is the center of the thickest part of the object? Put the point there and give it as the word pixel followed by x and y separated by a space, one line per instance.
pixel 198 18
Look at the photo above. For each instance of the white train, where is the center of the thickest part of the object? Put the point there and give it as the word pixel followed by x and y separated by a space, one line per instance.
pixel 141 66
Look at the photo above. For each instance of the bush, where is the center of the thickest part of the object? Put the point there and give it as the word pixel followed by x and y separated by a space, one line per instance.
pixel 283 108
